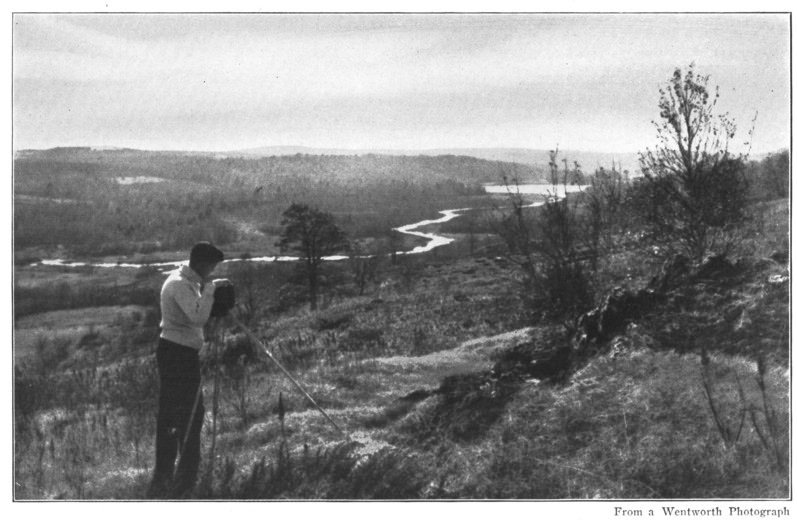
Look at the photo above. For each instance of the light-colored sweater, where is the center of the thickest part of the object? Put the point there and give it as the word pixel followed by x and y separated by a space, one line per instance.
pixel 185 307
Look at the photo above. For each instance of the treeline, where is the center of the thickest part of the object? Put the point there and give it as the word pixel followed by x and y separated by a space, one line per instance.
pixel 765 180
pixel 71 197
pixel 769 177
pixel 206 168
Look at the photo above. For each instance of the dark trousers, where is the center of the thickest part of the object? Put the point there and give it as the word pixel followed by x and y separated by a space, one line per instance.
pixel 178 369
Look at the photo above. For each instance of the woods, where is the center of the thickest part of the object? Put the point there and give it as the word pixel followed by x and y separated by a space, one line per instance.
pixel 73 197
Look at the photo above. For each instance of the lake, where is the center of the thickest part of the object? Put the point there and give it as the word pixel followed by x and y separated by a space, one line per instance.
pixel 532 189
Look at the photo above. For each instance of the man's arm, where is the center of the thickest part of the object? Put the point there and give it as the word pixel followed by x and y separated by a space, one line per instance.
pixel 196 308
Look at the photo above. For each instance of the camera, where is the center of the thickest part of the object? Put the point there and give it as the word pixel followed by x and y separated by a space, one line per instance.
pixel 223 300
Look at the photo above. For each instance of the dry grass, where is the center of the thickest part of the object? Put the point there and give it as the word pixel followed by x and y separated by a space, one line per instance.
pixel 631 426
pixel 404 372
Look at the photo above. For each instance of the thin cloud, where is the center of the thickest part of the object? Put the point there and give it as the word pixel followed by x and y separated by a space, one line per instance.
pixel 382 79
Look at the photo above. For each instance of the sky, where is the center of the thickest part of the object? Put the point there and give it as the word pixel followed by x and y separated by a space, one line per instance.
pixel 219 82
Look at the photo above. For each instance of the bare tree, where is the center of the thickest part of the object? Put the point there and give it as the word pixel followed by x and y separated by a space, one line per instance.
pixel 364 266
pixel 607 214
pixel 694 192
pixel 550 245
pixel 254 284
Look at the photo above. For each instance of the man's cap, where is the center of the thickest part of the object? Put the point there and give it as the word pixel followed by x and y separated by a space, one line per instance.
pixel 205 252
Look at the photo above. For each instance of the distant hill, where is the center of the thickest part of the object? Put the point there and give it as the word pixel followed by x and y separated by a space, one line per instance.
pixel 278 162
pixel 536 158
pixel 115 208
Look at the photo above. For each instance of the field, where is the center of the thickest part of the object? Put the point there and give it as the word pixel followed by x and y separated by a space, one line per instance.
pixel 691 400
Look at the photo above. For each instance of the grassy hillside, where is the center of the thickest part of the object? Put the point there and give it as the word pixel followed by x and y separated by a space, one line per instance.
pixel 691 400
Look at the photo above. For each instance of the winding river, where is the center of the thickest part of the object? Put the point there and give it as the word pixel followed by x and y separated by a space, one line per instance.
pixel 434 241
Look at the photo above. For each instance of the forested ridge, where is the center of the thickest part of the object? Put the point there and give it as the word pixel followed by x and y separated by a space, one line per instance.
pixel 73 196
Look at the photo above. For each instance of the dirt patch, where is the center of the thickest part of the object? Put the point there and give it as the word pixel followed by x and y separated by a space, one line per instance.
pixel 452 393
pixel 472 355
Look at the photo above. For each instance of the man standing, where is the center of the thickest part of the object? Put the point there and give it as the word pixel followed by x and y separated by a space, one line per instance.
pixel 186 301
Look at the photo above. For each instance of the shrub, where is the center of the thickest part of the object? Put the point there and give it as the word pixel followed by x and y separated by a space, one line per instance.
pixel 333 320
pixel 555 248
pixel 237 346
pixel 364 339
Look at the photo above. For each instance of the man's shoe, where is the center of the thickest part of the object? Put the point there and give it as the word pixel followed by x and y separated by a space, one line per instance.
pixel 182 489
pixel 158 489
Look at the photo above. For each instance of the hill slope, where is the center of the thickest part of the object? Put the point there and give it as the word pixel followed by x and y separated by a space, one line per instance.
pixel 409 371
pixel 535 158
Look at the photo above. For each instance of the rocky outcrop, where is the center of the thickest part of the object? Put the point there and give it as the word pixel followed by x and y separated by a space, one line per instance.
pixel 620 307
pixel 674 273
pixel 781 257
pixel 469 403
pixel 616 310
pixel 552 359
pixel 549 361
pixel 714 267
